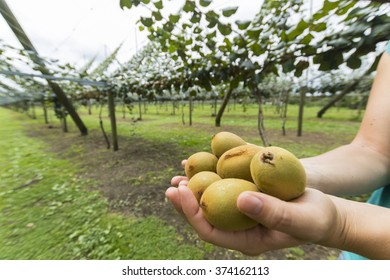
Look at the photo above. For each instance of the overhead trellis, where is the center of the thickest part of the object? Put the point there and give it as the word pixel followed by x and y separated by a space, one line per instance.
pixel 54 78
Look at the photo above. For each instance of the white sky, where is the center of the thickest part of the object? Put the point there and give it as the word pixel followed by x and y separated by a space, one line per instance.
pixel 74 31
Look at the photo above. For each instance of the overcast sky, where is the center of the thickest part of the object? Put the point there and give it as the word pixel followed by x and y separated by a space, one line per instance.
pixel 76 30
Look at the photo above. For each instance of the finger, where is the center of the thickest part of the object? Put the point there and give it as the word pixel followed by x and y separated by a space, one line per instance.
pixel 205 230
pixel 252 242
pixel 293 217
pixel 174 197
pixel 175 181
pixel 270 212
pixel 183 183
pixel 193 212
pixel 183 163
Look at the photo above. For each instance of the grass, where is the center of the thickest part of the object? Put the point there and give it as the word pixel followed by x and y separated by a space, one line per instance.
pixel 47 212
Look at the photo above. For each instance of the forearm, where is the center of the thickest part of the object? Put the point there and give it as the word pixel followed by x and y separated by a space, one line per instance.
pixel 362 228
pixel 363 165
pixel 348 170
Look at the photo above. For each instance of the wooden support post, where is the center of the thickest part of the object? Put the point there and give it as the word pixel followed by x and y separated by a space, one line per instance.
pixel 302 96
pixel 190 108
pixel 111 109
pixel 139 107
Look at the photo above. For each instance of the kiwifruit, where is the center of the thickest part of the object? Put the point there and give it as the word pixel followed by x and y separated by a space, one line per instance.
pixel 200 161
pixel 200 181
pixel 223 141
pixel 219 204
pixel 279 173
pixel 235 163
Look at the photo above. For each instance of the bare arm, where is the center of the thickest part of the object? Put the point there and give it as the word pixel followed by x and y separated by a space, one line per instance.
pixel 364 229
pixel 364 164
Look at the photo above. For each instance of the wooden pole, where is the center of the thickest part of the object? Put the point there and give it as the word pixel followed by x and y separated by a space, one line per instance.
pixel 111 109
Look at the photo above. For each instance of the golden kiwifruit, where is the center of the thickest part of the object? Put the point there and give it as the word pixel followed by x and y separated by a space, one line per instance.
pixel 219 204
pixel 200 181
pixel 223 141
pixel 235 163
pixel 279 173
pixel 200 161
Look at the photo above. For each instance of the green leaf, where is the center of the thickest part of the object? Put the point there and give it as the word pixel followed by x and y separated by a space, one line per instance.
pixel 197 30
pixel 288 66
pixel 321 26
pixel 146 2
pixel 212 18
pixel 158 5
pixel 211 44
pixel 147 21
pixel 329 60
pixel 354 62
pixel 309 50
pixel 307 39
pixel 225 29
pixel 157 15
pixel 211 35
pixel 192 92
pixel 298 30
pixel 197 48
pixel 172 48
pixel 254 33
pixel 189 6
pixel 174 18
pixel 168 26
pixel 189 42
pixel 345 9
pixel 125 4
pixel 257 49
pixel 319 15
pixel 229 11
pixel 243 24
pixel 184 26
pixel 205 3
pixel 228 44
pixel 300 67
pixel 196 16
pixel 328 6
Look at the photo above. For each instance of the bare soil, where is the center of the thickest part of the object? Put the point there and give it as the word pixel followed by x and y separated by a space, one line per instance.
pixel 134 179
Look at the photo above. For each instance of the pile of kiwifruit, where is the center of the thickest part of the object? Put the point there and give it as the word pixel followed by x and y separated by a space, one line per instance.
pixel 217 178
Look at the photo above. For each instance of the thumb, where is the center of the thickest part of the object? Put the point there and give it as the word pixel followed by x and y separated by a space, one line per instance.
pixel 269 211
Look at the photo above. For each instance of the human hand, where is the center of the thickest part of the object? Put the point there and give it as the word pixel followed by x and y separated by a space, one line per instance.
pixel 312 218
pixel 180 180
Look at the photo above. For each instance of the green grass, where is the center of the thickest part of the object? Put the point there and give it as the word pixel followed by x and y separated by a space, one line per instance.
pixel 47 212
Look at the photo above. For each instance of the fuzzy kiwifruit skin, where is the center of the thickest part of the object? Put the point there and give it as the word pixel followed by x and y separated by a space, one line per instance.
pixel 200 181
pixel 200 161
pixel 219 204
pixel 235 163
pixel 279 173
pixel 223 141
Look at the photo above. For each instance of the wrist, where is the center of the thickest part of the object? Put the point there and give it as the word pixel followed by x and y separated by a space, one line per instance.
pixel 339 234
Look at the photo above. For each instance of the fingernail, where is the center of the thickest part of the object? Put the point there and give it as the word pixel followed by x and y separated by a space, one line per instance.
pixel 250 204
